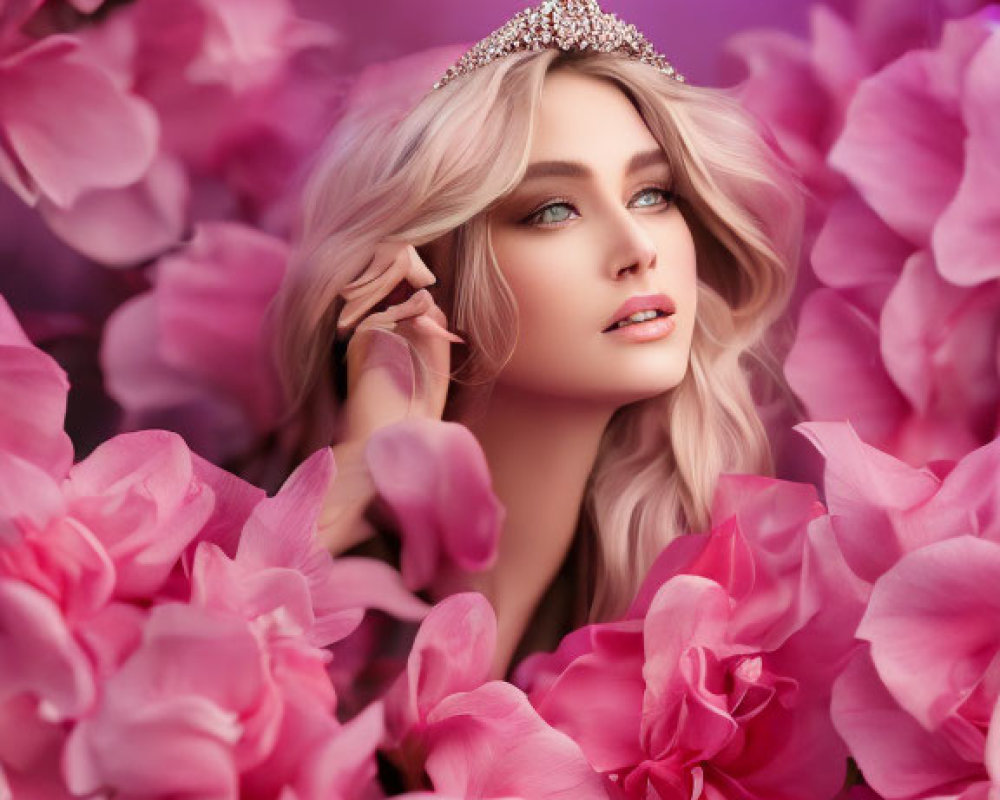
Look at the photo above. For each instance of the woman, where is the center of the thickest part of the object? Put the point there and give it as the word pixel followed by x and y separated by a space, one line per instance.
pixel 539 202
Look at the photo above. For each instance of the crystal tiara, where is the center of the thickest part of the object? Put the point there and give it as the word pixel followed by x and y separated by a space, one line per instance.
pixel 564 25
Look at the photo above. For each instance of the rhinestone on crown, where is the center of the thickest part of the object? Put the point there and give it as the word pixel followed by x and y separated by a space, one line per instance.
pixel 566 25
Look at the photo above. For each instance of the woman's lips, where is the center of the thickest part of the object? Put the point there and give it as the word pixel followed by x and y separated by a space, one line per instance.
pixel 647 331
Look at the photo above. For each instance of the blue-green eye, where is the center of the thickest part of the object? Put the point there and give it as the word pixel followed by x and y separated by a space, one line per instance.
pixel 544 216
pixel 664 196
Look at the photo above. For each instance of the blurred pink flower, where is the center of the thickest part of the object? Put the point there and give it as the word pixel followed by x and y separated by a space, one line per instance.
pixel 434 478
pixel 710 686
pixel 476 739
pixel 55 111
pixel 245 92
pixel 191 354
pixel 33 391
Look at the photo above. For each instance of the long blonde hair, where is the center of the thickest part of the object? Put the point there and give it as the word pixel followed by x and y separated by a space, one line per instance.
pixel 439 169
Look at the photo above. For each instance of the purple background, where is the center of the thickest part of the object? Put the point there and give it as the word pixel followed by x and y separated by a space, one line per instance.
pixel 689 32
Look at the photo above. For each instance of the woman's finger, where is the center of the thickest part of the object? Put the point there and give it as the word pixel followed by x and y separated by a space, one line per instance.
pixel 388 269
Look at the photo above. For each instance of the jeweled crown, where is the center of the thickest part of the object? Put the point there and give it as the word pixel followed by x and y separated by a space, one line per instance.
pixel 564 25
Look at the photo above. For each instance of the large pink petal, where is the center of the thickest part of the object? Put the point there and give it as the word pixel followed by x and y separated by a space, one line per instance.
pixel 931 622
pixel 902 141
pixel 597 700
pixel 969 498
pixel 40 655
pixel 434 478
pixel 193 349
pixel 686 623
pixel 966 236
pixel 834 339
pixel 33 390
pixel 898 757
pixel 127 225
pixel 156 394
pixel 855 248
pixel 57 109
pixel 490 742
pixel 452 652
pixel 937 344
pixel 867 491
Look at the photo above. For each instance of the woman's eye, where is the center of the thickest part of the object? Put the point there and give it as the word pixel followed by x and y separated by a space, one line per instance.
pixel 552 213
pixel 659 196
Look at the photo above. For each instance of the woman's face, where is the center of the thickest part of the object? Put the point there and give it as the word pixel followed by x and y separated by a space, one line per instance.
pixel 592 227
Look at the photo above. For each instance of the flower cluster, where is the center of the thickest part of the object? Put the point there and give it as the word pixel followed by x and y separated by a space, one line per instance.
pixel 893 123
pixel 165 626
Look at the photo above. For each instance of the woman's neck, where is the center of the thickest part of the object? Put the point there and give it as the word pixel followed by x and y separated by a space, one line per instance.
pixel 540 452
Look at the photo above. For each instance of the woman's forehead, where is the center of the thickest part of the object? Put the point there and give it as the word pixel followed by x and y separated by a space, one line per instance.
pixel 582 118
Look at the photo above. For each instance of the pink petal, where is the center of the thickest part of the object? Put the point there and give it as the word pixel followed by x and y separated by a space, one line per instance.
pixel 931 622
pixel 193 694
pixel 855 248
pixel 490 743
pixel 901 145
pixel 235 500
pixel 688 616
pixel 139 496
pixel 937 345
pixel 33 391
pixel 993 747
pixel 138 377
pixel 345 766
pixel 196 352
pixel 13 13
pixel 968 501
pixel 866 490
pixel 434 478
pixel 452 652
pixel 897 756
pixel 57 109
pixel 126 225
pixel 40 655
pixel 597 700
pixel 966 234
pixel 835 339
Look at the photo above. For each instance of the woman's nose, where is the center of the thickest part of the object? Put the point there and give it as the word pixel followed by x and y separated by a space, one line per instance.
pixel 632 250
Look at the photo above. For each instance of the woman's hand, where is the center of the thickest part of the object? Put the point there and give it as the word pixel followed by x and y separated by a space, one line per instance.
pixel 398 365
pixel 379 391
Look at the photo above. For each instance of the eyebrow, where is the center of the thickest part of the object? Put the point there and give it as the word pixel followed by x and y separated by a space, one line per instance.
pixel 574 169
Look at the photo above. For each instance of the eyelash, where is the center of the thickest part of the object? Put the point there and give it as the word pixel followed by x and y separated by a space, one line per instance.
pixel 532 218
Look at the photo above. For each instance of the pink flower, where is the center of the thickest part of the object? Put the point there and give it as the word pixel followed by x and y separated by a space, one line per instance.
pixel 196 693
pixel 882 508
pixel 283 581
pixel 141 499
pixel 474 738
pixel 709 687
pixel 903 250
pixel 33 392
pixel 191 354
pixel 55 111
pixel 245 93
pixel 434 478
pixel 918 709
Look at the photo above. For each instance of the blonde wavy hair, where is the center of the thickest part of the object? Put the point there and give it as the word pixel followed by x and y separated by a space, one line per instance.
pixel 437 171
